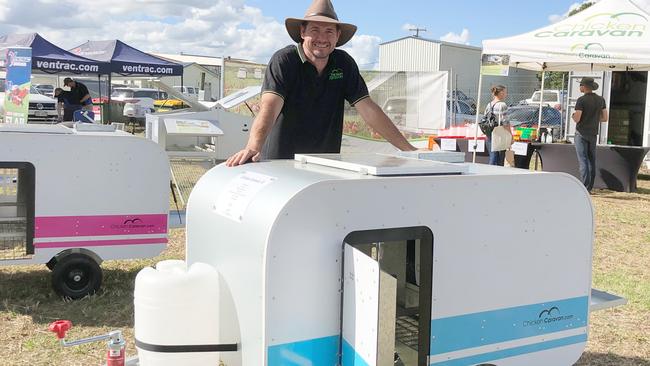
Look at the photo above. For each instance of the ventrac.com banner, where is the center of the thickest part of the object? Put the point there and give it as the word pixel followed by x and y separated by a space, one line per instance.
pixel 141 69
pixel 66 66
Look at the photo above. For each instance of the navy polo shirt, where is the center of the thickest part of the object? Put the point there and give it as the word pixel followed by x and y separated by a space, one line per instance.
pixel 79 91
pixel 311 120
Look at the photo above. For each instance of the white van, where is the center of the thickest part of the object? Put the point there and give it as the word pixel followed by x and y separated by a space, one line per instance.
pixel 552 98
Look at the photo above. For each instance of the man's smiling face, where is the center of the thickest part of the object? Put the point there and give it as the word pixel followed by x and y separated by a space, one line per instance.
pixel 319 39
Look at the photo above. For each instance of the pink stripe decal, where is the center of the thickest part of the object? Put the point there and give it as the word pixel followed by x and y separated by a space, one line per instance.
pixel 100 243
pixel 70 226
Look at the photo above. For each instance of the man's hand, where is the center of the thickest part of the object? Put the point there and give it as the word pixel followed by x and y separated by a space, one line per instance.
pixel 270 107
pixel 243 157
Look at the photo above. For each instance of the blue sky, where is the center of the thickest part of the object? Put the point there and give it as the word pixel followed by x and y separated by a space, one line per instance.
pixel 254 29
pixel 483 19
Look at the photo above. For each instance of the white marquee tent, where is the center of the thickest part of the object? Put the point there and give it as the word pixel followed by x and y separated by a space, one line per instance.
pixel 611 35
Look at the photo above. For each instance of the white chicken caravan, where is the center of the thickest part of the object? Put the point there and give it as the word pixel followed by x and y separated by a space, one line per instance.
pixel 380 260
pixel 73 197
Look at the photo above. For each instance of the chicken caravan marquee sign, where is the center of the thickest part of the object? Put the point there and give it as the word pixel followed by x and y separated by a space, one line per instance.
pixel 626 24
pixel 591 33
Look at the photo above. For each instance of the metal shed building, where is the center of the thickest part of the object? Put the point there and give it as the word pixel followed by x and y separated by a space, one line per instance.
pixel 461 61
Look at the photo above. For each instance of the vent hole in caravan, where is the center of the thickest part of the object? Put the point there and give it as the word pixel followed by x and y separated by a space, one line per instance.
pixel 16 210
pixel 387 296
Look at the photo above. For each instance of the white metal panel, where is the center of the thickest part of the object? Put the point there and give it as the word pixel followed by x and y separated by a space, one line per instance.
pixel 465 63
pixel 92 174
pixel 192 127
pixel 235 131
pixel 25 128
pixel 360 305
pixel 240 96
pixel 409 54
pixel 377 164
pixel 601 300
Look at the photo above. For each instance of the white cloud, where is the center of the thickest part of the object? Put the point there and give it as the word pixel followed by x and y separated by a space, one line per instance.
pixel 463 37
pixel 365 51
pixel 554 18
pixel 208 27
pixel 205 27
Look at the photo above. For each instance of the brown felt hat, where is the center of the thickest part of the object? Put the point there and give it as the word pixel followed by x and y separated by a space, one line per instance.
pixel 320 11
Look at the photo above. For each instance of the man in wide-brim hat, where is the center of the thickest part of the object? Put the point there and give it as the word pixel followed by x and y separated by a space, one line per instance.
pixel 590 110
pixel 304 90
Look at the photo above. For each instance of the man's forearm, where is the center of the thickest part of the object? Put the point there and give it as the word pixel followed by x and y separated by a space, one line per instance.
pixel 262 126
pixel 271 105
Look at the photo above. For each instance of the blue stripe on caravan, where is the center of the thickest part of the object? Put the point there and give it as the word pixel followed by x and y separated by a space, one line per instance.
pixel 502 325
pixel 517 351
pixel 315 352
pixel 351 357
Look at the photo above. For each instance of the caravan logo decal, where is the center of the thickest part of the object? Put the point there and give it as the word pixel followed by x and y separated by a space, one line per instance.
pixel 588 46
pixel 135 223
pixel 593 51
pixel 624 24
pixel 546 316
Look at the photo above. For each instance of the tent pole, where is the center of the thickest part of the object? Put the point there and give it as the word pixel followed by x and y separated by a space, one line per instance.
pixel 541 103
pixel 564 102
pixel 99 85
pixel 478 107
pixel 452 99
pixel 108 108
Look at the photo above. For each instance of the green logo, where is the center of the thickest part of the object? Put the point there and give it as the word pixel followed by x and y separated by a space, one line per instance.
pixel 588 46
pixel 336 74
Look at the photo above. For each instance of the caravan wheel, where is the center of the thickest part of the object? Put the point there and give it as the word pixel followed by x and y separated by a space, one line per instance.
pixel 76 275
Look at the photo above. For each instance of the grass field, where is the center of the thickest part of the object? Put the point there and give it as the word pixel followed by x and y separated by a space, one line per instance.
pixel 618 337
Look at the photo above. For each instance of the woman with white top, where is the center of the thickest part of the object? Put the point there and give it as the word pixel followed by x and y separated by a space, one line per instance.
pixel 499 108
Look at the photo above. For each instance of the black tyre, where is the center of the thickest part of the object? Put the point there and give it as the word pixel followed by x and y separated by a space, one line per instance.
pixel 76 275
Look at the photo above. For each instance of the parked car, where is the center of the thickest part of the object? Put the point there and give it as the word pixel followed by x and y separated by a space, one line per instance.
pixel 462 97
pixel 463 113
pixel 42 109
pixel 138 102
pixel 552 98
pixel 166 105
pixel 45 89
pixel 528 116
pixel 396 108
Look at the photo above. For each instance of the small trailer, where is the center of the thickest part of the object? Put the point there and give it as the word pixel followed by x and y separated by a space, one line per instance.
pixel 73 197
pixel 382 260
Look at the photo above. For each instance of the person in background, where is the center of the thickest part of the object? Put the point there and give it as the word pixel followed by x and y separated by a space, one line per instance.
pixel 79 94
pixel 499 107
pixel 63 106
pixel 590 110
pixel 304 90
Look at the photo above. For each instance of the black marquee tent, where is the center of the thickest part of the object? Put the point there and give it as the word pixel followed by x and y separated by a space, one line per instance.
pixel 50 59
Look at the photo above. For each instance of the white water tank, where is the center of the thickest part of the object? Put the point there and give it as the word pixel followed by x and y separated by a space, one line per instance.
pixel 176 306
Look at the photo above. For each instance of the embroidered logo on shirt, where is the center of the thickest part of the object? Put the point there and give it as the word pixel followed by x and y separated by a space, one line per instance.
pixel 336 74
